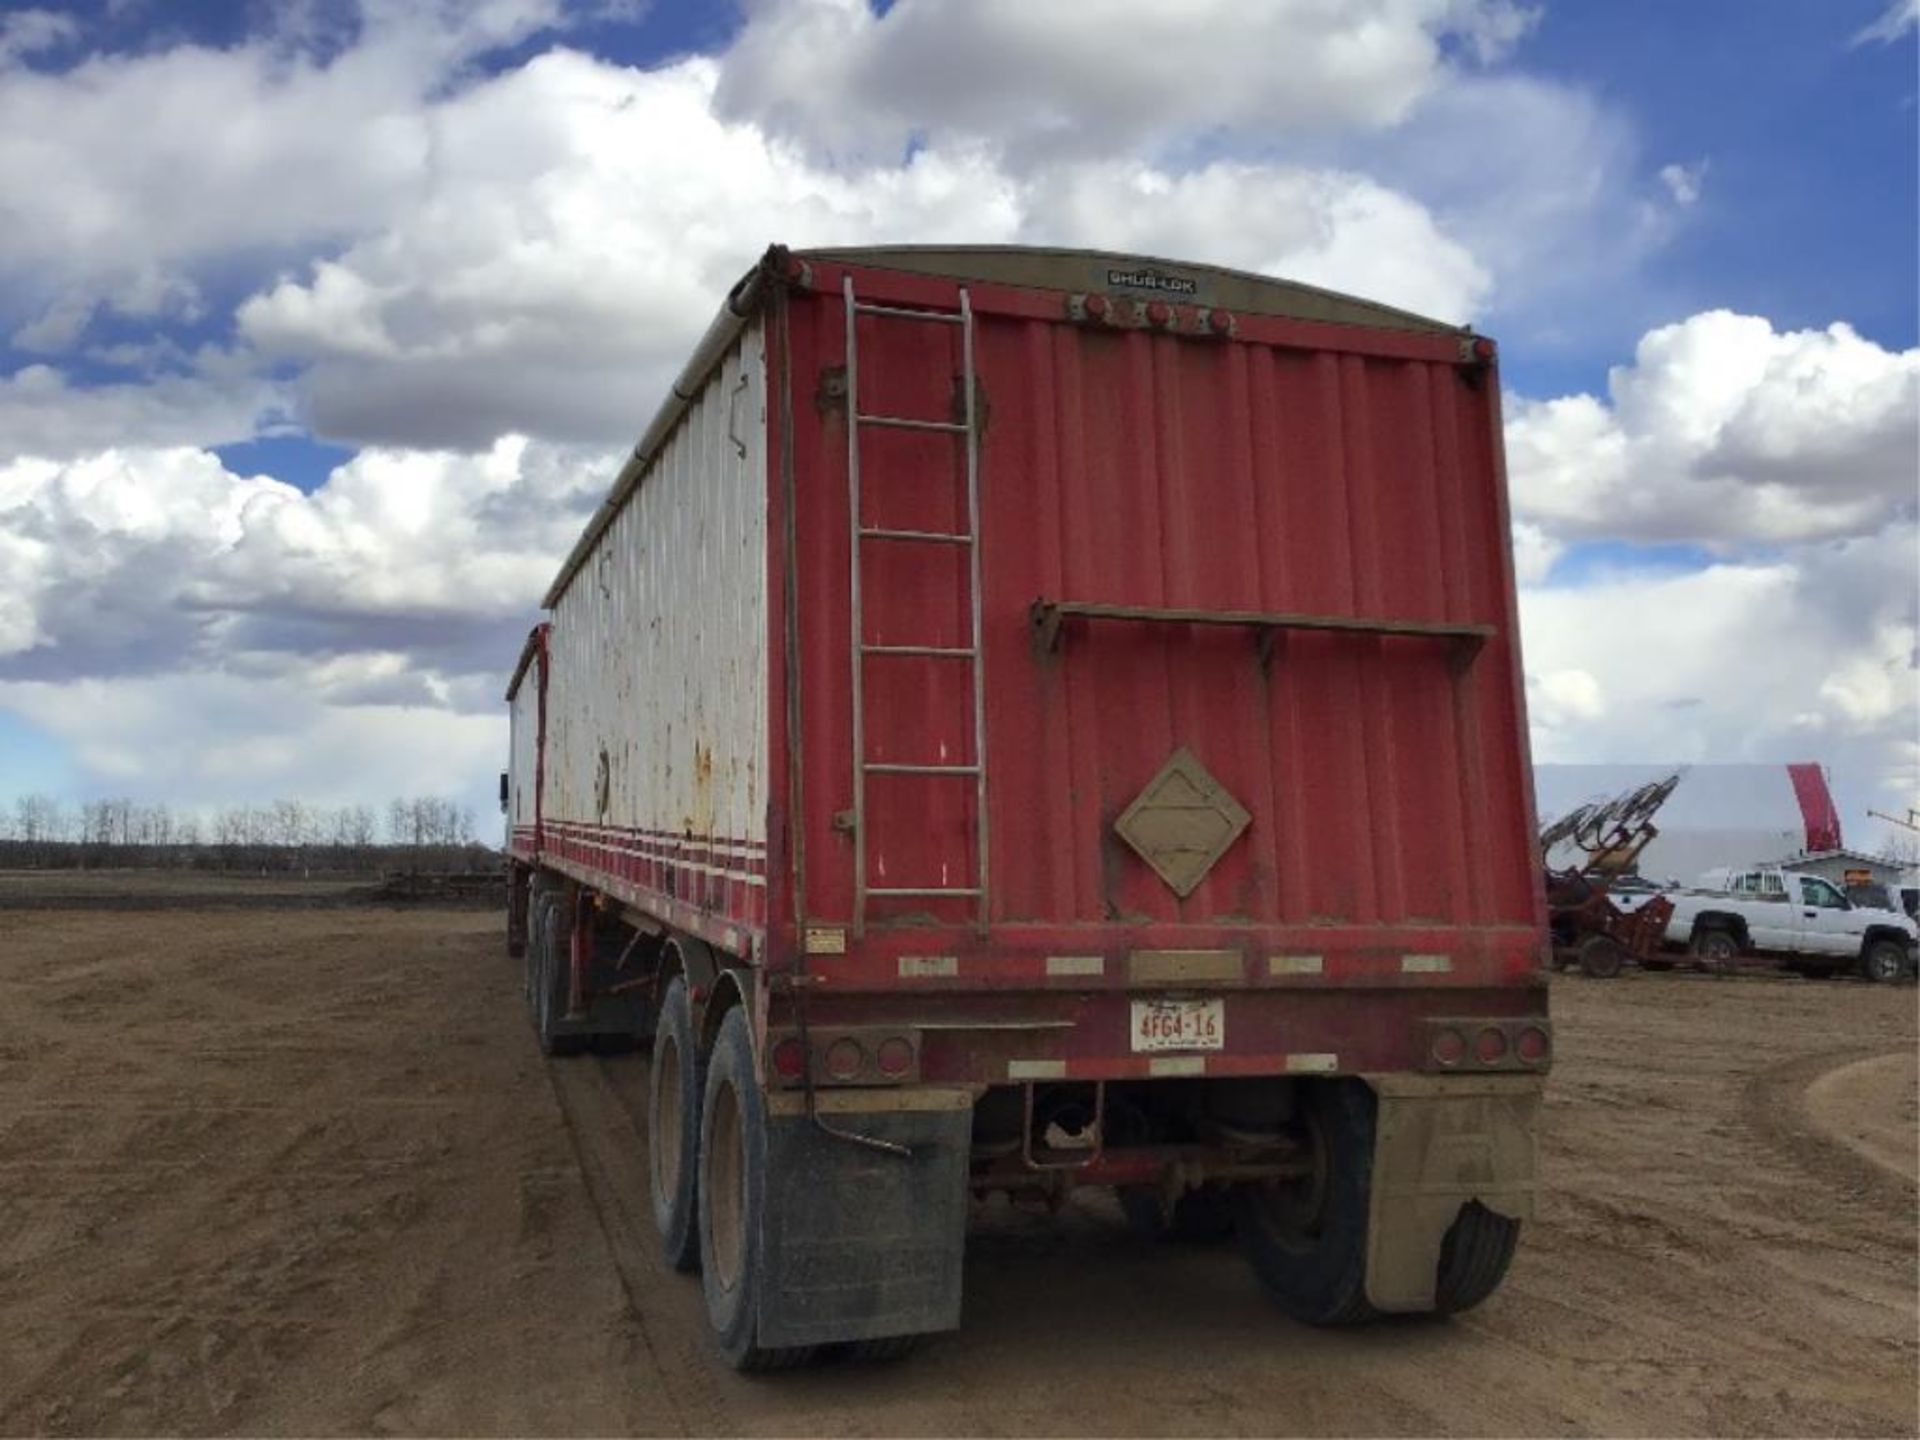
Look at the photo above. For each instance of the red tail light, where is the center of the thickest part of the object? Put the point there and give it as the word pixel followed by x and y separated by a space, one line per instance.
pixel 1476 1044
pixel 844 1059
pixel 895 1057
pixel 789 1059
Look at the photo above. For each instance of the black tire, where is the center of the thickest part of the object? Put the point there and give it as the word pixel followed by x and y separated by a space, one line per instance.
pixel 1716 947
pixel 1307 1239
pixel 883 1352
pixel 1204 1216
pixel 1883 961
pixel 553 984
pixel 673 1128
pixel 520 896
pixel 1473 1258
pixel 539 917
pixel 1602 957
pixel 733 1199
pixel 536 921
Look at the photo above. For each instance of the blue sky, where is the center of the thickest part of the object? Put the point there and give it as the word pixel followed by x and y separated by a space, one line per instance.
pixel 321 324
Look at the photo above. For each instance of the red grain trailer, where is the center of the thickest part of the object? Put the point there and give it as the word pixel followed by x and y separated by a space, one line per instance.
pixel 1029 719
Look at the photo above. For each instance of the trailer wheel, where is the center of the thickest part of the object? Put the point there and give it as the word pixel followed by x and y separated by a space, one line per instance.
pixel 1306 1238
pixel 1883 961
pixel 553 985
pixel 1200 1216
pixel 1602 957
pixel 536 947
pixel 884 1351
pixel 733 1198
pixel 1473 1258
pixel 673 1127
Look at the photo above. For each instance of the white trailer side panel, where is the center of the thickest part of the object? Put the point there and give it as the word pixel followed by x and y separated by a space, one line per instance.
pixel 657 697
pixel 523 724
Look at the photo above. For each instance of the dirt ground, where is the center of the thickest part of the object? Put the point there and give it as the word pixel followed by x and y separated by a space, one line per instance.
pixel 303 1172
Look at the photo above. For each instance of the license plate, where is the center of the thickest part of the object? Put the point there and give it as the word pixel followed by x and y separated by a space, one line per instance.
pixel 1179 1024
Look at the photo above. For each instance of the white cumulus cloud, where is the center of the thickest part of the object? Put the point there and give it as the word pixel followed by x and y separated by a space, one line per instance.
pixel 1100 79
pixel 1725 430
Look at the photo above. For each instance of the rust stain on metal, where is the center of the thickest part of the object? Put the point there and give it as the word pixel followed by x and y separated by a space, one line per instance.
pixel 1167 967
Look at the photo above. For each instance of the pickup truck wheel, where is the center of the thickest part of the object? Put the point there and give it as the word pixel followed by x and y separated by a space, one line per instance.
pixel 1306 1238
pixel 673 1128
pixel 1883 961
pixel 1602 956
pixel 1716 948
pixel 733 1198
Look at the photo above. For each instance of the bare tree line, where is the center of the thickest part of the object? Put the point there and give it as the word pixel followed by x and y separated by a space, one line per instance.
pixel 423 831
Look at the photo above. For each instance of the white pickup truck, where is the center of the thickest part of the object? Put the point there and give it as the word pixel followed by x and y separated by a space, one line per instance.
pixel 1800 919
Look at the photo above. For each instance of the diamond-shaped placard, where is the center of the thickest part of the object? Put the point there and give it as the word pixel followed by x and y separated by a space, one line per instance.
pixel 1182 822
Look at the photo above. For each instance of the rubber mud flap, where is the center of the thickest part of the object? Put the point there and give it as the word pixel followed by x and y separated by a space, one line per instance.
pixel 1439 1144
pixel 862 1245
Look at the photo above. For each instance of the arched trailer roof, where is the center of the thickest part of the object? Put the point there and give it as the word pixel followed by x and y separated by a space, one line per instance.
pixel 1034 267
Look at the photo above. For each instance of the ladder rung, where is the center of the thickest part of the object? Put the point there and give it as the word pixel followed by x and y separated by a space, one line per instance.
pixel 889 767
pixel 938 317
pixel 903 422
pixel 945 537
pixel 924 890
pixel 950 652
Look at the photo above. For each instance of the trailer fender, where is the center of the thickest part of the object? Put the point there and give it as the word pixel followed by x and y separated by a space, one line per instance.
pixel 696 960
pixel 1440 1142
pixel 730 987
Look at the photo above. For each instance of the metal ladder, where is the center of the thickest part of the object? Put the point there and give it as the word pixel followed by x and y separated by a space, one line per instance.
pixel 863 534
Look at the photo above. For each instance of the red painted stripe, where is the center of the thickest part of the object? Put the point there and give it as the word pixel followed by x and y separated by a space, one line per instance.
pixel 587 827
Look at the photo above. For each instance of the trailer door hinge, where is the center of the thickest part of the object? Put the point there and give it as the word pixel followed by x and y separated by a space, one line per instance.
pixel 843 821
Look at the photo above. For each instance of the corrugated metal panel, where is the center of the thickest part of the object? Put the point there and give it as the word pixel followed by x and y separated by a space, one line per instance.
pixel 1386 785
pixel 657 701
pixel 523 725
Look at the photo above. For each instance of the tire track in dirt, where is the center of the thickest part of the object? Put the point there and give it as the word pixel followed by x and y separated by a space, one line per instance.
pixel 612 1155
pixel 1774 1103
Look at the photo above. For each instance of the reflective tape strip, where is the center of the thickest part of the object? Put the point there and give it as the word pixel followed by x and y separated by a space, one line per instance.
pixel 1312 1064
pixel 1295 964
pixel 927 967
pixel 1426 964
pixel 1177 1065
pixel 1036 1070
pixel 1076 964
